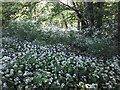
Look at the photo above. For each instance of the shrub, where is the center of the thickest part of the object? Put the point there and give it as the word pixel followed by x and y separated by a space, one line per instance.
pixel 102 48
pixel 23 30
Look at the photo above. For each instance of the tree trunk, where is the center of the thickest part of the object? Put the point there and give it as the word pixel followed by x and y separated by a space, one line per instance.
pixel 83 24
pixel 100 14
pixel 119 28
pixel 78 26
pixel 64 20
pixel 89 6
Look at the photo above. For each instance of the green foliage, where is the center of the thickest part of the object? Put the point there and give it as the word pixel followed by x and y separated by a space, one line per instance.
pixel 15 10
pixel 102 48
pixel 9 10
pixel 37 53
pixel 25 30
pixel 49 66
pixel 101 43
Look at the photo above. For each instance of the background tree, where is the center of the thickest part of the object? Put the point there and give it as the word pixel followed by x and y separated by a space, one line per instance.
pixel 119 28
pixel 99 14
pixel 78 12
pixel 89 8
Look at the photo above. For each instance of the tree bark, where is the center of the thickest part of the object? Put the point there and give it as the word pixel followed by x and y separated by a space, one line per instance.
pixel 78 26
pixel 89 6
pixel 119 28
pixel 100 14
pixel 64 20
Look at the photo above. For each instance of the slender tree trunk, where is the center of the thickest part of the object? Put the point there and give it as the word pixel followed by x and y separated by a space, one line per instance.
pixel 83 24
pixel 100 14
pixel 71 24
pixel 89 6
pixel 64 20
pixel 119 28
pixel 78 26
pixel 61 25
pixel 35 11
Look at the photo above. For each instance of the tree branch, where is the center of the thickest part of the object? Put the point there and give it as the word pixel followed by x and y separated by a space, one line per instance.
pixel 77 11
pixel 73 4
pixel 69 6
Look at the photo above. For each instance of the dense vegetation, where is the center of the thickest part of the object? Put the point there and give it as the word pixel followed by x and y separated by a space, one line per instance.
pixel 60 45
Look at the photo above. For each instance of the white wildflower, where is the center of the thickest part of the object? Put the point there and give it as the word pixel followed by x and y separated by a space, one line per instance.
pixel 88 86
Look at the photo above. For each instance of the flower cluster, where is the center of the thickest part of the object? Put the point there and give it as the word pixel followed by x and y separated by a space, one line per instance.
pixel 37 65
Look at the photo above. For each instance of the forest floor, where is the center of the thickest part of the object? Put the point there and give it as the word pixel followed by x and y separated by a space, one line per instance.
pixel 55 58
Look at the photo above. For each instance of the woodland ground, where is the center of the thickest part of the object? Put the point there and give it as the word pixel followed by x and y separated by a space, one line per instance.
pixel 47 56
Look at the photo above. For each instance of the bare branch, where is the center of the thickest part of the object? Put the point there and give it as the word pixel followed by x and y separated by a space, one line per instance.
pixel 73 4
pixel 69 6
pixel 77 12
